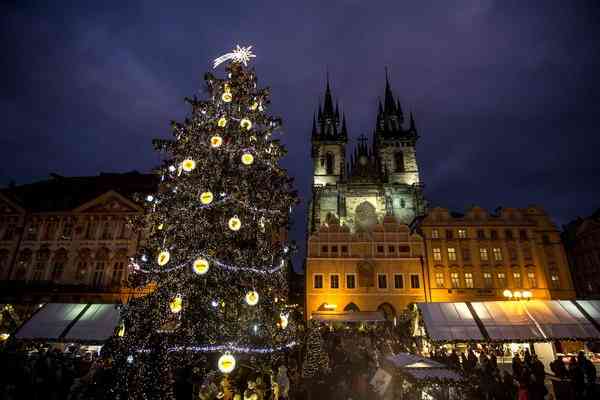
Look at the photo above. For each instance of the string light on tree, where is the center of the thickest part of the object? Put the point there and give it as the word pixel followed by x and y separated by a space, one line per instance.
pixel 246 124
pixel 222 122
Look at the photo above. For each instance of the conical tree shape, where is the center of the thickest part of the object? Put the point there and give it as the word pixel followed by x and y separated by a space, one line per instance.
pixel 215 259
pixel 316 361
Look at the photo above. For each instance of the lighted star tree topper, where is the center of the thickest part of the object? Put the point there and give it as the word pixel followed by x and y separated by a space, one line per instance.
pixel 215 259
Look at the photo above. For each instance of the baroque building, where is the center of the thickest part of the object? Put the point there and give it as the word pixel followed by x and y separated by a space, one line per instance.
pixel 581 238
pixel 373 244
pixel 67 239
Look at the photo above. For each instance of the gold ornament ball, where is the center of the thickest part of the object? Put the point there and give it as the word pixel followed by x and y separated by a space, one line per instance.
pixel 246 124
pixel 234 223
pixel 252 298
pixel 216 141
pixel 163 257
pixel 176 304
pixel 201 266
pixel 227 97
pixel 247 159
pixel 206 198
pixel 188 165
pixel 226 363
pixel 222 122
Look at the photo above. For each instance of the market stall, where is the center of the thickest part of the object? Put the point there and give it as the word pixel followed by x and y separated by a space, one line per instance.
pixel 409 376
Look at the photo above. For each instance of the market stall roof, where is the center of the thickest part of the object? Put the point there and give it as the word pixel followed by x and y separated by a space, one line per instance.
pixel 71 322
pixel 421 368
pixel 511 321
pixel 450 322
pixel 349 316
pixel 592 308
pixel 507 321
pixel 98 323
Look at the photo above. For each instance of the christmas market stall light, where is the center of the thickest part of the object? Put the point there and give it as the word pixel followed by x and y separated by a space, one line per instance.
pixel 218 278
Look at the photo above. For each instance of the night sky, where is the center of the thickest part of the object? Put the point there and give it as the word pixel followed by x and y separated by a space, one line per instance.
pixel 506 94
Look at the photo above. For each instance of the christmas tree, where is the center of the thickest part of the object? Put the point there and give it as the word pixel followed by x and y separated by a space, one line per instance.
pixel 215 259
pixel 316 360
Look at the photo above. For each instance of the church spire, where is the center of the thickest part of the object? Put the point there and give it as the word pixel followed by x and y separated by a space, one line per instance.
pixel 390 106
pixel 412 128
pixel 344 132
pixel 328 102
pixel 314 127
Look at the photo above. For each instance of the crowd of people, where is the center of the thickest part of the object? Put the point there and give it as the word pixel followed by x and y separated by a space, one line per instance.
pixel 528 379
pixel 41 373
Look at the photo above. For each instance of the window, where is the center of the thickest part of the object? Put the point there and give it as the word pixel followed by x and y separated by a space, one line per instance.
pixel 462 233
pixel 468 279
pixel 39 270
pixel 439 279
pixel 455 280
pixel 334 249
pixel 493 235
pixel 526 253
pixel 329 160
pixel 117 274
pixel 554 279
pixel 391 249
pixel 382 281
pixel 509 234
pixel 67 230
pixel 398 281
pixel 449 234
pixel 399 161
pixel 32 231
pixel 318 281
pixel 414 282
pixel 501 280
pixel 497 253
pixel 81 269
pixel 50 230
pixel 57 270
pixel 531 279
pixel 523 234
pixel 451 254
pixel 91 230
pixel 517 279
pixel 512 253
pixel 324 249
pixel 344 249
pixel 9 232
pixel 402 203
pixel 98 274
pixel 488 282
pixel 437 254
pixel 334 281
pixel 466 254
pixel 480 234
pixel 380 249
pixel 545 239
pixel 435 234
pixel 483 254
pixel 106 231
pixel 404 249
pixel 350 281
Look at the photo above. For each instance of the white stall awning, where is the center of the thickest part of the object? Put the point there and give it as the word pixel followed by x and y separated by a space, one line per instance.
pixel 98 323
pixel 71 322
pixel 50 321
pixel 449 322
pixel 421 368
pixel 507 321
pixel 592 308
pixel 560 319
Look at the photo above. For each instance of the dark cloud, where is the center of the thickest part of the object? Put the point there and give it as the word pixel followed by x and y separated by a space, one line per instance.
pixel 506 93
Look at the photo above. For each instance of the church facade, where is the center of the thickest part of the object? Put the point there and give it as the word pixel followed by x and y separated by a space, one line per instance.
pixel 374 244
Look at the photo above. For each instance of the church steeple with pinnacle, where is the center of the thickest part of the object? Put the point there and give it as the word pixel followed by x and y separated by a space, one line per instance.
pixel 328 142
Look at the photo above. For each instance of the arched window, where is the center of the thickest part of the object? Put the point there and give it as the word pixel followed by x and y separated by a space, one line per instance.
pixel 388 311
pixel 351 307
pixel 24 263
pixel 329 160
pixel 58 267
pixel 83 262
pixel 41 261
pixel 399 161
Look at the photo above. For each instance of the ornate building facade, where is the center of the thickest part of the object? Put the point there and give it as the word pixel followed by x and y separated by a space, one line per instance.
pixel 67 239
pixel 373 245
pixel 582 241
